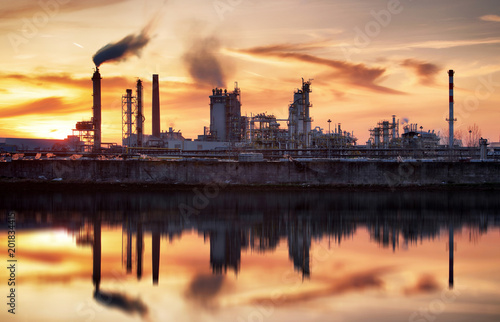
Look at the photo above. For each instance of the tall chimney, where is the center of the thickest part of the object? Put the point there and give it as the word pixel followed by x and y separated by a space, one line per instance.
pixel 156 107
pixel 451 120
pixel 96 80
pixel 139 118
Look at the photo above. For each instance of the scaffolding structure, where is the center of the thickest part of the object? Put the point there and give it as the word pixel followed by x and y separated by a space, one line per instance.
pixel 84 130
pixel 385 134
pixel 129 110
pixel 263 132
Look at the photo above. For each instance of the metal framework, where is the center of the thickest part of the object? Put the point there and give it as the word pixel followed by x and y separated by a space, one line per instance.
pixel 129 110
pixel 85 133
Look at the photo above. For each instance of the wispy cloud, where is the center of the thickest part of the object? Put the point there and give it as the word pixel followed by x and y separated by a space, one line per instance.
pixel 26 8
pixel 371 279
pixel 426 72
pixel 356 75
pixel 66 80
pixel 441 44
pixel 493 18
pixel 49 105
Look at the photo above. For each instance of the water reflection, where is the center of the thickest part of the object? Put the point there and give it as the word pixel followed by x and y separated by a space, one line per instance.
pixel 260 222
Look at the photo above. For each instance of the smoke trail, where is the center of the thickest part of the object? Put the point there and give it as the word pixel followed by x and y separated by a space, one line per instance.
pixel 202 63
pixel 204 291
pixel 130 45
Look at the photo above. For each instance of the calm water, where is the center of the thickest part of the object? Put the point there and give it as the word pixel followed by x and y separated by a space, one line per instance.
pixel 255 256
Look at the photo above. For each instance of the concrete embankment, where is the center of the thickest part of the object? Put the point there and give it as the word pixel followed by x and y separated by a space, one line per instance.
pixel 317 172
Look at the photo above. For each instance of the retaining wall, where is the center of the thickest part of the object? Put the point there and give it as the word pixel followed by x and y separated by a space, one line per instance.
pixel 320 172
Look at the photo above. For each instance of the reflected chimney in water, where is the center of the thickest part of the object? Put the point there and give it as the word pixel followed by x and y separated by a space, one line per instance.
pixel 156 256
pixel 139 250
pixel 96 252
pixel 129 247
pixel 451 249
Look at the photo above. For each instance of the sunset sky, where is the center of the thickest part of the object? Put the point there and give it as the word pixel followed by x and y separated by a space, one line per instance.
pixel 369 59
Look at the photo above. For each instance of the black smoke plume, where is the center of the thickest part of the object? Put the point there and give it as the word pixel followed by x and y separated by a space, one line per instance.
pixel 130 45
pixel 202 62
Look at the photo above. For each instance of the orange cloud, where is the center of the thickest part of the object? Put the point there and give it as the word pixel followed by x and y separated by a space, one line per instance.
pixel 358 75
pixel 493 18
pixel 66 80
pixel 49 105
pixel 52 257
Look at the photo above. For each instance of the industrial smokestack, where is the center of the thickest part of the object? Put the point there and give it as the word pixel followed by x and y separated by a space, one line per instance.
pixel 451 120
pixel 96 80
pixel 139 118
pixel 156 107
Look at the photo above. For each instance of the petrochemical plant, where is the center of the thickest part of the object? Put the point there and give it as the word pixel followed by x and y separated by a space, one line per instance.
pixel 228 128
pixel 231 134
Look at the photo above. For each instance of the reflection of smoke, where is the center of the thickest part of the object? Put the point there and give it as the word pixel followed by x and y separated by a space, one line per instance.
pixel 425 284
pixel 203 290
pixel 123 302
pixel 130 45
pixel 202 62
